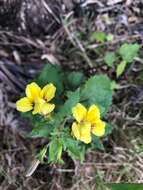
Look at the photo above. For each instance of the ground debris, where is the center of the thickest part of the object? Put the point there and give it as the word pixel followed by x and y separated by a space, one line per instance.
pixel 36 32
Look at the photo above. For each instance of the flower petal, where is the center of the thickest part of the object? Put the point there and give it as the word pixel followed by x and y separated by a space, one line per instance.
pixel 37 107
pixel 48 92
pixel 79 112
pixel 24 105
pixel 85 133
pixel 99 128
pixel 93 114
pixel 42 107
pixel 47 108
pixel 76 130
pixel 33 91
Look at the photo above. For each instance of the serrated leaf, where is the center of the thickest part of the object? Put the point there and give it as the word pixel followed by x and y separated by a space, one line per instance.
pixel 42 126
pixel 97 90
pixel 43 130
pixel 73 149
pixel 129 51
pixel 98 36
pixel 55 150
pixel 51 74
pixel 121 68
pixel 109 58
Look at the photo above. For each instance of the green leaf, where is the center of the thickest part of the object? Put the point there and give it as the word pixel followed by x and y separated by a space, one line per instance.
pixel 75 79
pixel 41 127
pixel 55 150
pixel 42 130
pixel 98 36
pixel 97 90
pixel 121 68
pixel 73 99
pixel 73 149
pixel 114 85
pixel 108 129
pixel 110 37
pixel 40 156
pixel 109 58
pixel 124 186
pixel 129 51
pixel 97 143
pixel 51 74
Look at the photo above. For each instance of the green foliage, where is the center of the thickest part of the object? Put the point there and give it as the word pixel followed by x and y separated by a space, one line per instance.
pixel 73 149
pixel 57 128
pixel 97 90
pixel 124 55
pixel 114 85
pixel 55 150
pixel 110 58
pixel 51 74
pixel 42 154
pixel 42 130
pixel 110 37
pixel 75 79
pixel 129 51
pixel 97 143
pixel 124 186
pixel 108 129
pixel 101 37
pixel 98 36
pixel 121 68
pixel 73 99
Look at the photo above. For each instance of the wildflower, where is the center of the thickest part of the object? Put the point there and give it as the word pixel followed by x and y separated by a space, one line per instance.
pixel 37 99
pixel 87 122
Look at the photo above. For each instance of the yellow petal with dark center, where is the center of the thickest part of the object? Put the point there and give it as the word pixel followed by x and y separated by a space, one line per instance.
pixel 33 91
pixel 99 128
pixel 85 133
pixel 93 114
pixel 79 112
pixel 24 105
pixel 48 92
pixel 76 130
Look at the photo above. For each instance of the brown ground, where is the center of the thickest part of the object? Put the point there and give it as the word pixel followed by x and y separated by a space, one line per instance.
pixel 22 55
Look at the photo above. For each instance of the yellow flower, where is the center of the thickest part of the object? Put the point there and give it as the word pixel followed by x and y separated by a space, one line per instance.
pixel 37 99
pixel 87 122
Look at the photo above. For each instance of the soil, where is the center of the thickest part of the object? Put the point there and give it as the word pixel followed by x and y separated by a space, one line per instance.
pixel 35 32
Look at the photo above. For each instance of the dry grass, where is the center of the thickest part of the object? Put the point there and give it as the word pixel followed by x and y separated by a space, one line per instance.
pixel 23 56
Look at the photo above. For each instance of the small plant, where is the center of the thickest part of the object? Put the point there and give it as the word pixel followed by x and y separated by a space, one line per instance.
pixel 67 109
pixel 124 55
pixel 127 52
pixel 120 58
